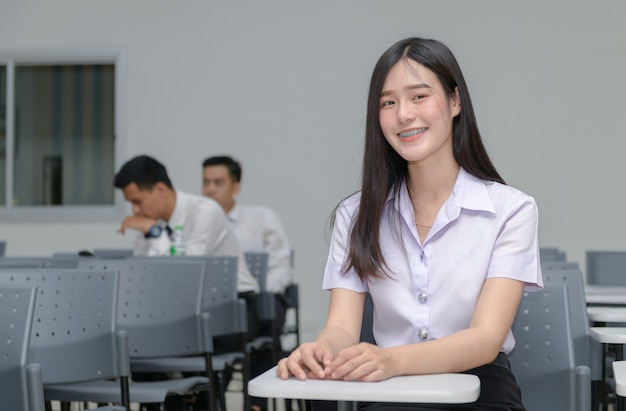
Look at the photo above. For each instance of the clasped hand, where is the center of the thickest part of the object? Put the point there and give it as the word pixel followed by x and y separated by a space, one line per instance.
pixel 361 362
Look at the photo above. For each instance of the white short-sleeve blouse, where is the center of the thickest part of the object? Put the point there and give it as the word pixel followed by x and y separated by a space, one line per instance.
pixel 483 230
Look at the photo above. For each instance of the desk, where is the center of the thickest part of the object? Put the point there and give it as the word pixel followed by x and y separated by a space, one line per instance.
pixel 608 295
pixel 612 314
pixel 434 388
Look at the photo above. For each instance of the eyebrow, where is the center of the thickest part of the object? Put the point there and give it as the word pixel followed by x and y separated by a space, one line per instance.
pixel 411 87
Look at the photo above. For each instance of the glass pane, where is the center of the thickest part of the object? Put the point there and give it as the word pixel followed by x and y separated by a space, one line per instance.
pixel 3 134
pixel 64 141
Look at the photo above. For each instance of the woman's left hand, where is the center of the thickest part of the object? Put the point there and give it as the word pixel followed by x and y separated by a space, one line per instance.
pixel 361 362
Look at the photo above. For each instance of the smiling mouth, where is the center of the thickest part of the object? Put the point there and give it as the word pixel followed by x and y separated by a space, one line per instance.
pixel 413 132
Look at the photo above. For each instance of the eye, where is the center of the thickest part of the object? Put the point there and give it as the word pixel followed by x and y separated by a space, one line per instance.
pixel 419 97
pixel 387 103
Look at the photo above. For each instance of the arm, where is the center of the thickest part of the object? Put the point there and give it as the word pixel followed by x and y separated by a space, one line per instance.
pixel 342 330
pixel 477 345
pixel 144 246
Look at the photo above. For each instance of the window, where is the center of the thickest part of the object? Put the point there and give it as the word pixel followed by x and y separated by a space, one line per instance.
pixel 57 137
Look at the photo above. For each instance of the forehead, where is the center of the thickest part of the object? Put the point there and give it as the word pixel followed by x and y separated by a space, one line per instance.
pixel 134 193
pixel 408 72
pixel 216 172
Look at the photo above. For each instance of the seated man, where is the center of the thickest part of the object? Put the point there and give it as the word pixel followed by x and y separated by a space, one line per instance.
pixel 156 207
pixel 258 230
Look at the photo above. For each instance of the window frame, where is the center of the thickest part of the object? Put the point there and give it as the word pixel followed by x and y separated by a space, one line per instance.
pixel 62 213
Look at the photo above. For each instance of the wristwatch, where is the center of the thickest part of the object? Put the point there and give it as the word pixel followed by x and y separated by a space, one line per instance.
pixel 154 231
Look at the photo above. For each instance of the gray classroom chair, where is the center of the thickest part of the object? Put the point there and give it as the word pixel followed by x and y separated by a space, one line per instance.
pixel 74 323
pixel 266 303
pixel 552 254
pixel 160 308
pixel 17 306
pixel 606 267
pixel 228 317
pixel 21 383
pixel 587 350
pixel 544 361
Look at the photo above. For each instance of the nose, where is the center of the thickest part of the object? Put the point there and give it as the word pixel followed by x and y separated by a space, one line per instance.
pixel 406 112
pixel 209 189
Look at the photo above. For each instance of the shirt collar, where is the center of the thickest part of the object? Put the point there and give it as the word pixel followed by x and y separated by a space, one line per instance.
pixel 179 207
pixel 469 192
pixel 234 213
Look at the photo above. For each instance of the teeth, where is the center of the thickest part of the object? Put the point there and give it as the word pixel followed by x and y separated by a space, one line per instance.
pixel 413 132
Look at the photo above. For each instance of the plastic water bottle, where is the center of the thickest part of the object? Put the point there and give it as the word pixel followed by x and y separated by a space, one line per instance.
pixel 177 246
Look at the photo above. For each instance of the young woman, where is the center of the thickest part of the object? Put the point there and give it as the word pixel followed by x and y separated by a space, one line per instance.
pixel 443 246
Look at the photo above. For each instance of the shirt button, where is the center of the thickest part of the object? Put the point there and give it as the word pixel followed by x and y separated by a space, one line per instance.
pixel 422 298
pixel 423 334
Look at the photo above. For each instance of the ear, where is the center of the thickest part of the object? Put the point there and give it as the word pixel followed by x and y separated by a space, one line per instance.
pixel 236 188
pixel 160 188
pixel 456 102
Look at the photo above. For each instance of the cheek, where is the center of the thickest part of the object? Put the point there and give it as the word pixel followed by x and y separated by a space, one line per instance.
pixel 386 122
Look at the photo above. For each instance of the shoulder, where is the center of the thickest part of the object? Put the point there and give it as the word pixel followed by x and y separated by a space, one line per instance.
pixel 348 207
pixel 197 202
pixel 255 209
pixel 505 195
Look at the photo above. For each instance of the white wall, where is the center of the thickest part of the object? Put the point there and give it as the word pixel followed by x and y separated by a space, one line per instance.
pixel 282 86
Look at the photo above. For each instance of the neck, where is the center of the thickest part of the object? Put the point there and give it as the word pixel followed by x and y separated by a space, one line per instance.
pixel 432 183
pixel 229 206
pixel 170 204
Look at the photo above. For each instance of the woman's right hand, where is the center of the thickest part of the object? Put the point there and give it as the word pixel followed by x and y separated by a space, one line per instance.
pixel 307 361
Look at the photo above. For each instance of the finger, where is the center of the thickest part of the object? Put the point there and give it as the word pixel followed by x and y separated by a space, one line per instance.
pixel 282 371
pixel 295 368
pixel 312 360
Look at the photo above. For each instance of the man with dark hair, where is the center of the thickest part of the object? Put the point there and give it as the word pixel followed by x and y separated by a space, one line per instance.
pixel 157 208
pixel 257 228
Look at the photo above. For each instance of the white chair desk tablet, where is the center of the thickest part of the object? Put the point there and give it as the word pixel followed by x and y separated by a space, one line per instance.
pixel 603 294
pixel 433 388
pixel 612 314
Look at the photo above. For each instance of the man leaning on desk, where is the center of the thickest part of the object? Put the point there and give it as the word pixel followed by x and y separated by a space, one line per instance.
pixel 157 206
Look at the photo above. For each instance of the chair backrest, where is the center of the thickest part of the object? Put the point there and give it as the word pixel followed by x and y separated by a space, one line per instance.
pixel 74 322
pixel 113 253
pixel 22 262
pixel 158 305
pixel 552 254
pixel 587 352
pixel 257 264
pixel 3 248
pixel 17 305
pixel 543 360
pixel 559 265
pixel 606 267
pixel 219 294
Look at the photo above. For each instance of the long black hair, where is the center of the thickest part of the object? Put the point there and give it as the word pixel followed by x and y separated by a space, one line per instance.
pixel 384 170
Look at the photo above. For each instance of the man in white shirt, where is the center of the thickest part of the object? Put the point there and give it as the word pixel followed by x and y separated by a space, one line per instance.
pixel 157 207
pixel 258 229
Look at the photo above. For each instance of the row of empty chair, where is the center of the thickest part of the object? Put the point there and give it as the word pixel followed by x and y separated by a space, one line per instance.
pixel 95 321
pixel 145 324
